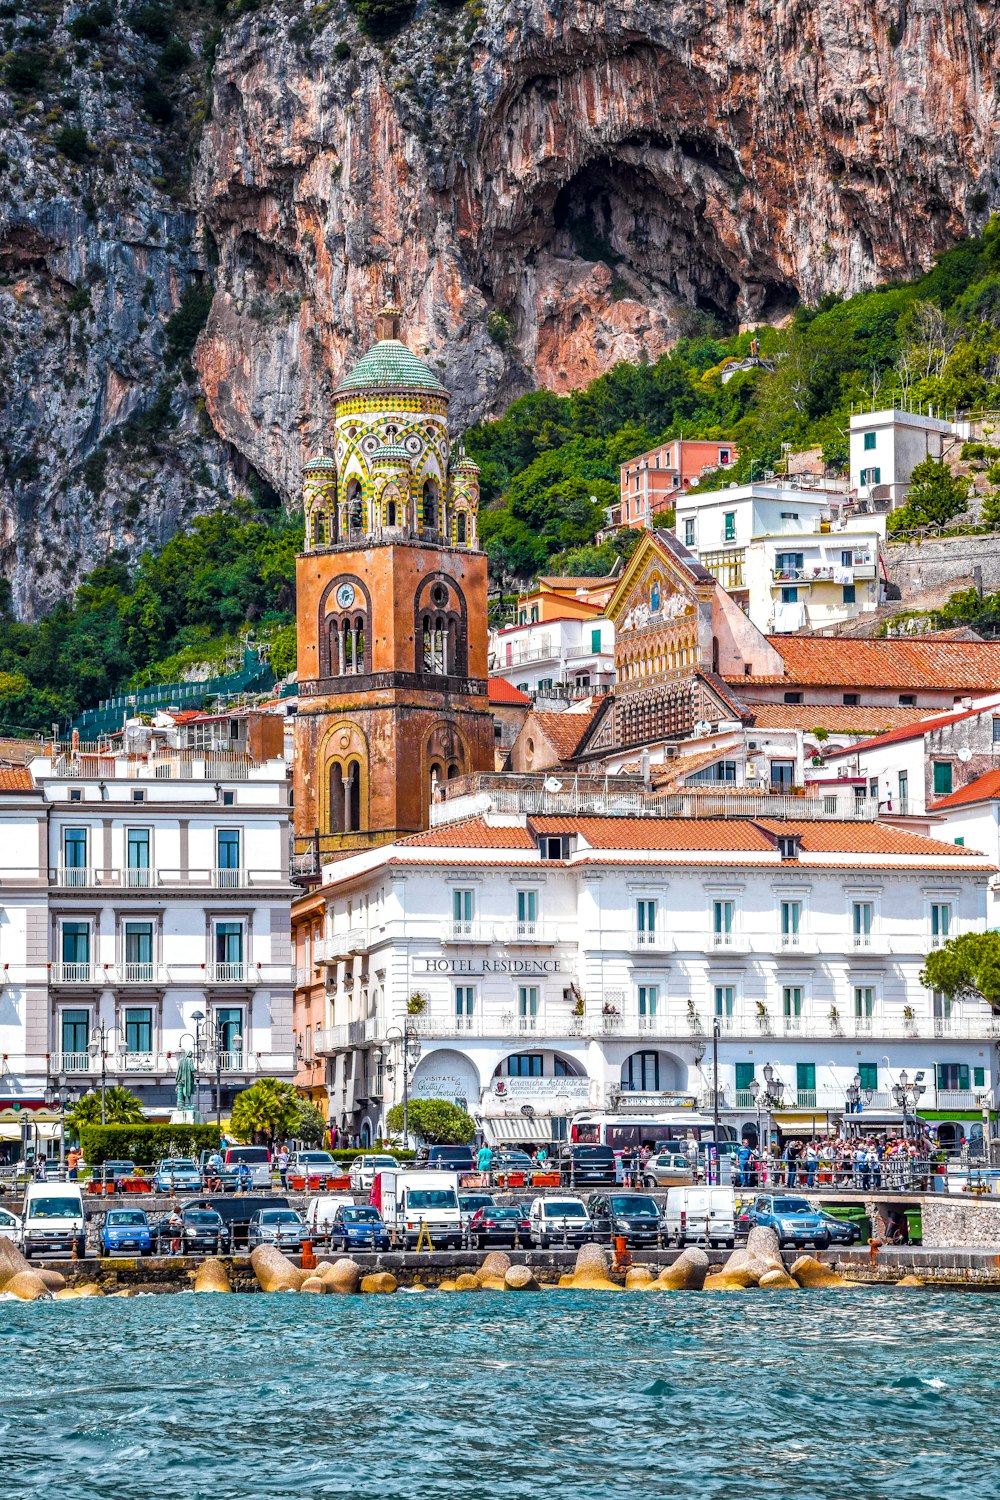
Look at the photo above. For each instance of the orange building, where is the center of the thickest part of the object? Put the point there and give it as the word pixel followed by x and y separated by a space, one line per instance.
pixel 392 640
pixel 651 482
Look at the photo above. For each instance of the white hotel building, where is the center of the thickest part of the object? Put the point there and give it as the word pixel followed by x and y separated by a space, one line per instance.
pixel 579 956
pixel 138 890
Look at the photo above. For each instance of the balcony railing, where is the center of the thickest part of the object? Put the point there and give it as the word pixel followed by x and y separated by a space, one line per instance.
pixel 137 880
pixel 75 973
pixel 469 931
pixel 140 974
pixel 73 1062
pixel 231 973
pixel 341 945
pixel 228 879
pixel 75 875
pixel 653 941
pixel 118 878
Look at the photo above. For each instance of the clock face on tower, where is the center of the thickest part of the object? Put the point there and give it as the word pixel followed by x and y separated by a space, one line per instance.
pixel 345 595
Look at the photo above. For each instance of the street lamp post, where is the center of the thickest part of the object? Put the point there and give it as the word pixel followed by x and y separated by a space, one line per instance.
pixel 410 1054
pixel 197 1017
pixel 715 1092
pixel 61 1099
pixel 98 1046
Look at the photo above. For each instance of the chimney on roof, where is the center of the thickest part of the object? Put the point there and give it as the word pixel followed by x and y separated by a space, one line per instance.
pixel 388 321
pixel 644 767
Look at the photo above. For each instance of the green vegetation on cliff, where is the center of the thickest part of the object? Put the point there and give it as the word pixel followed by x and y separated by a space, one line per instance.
pixel 550 464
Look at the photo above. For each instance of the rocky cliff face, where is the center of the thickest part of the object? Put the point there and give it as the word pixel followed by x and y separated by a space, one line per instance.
pixel 552 186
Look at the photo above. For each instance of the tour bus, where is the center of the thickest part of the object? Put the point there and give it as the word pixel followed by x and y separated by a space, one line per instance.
pixel 659 1131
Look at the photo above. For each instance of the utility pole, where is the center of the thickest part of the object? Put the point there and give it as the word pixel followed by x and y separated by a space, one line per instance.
pixel 715 1093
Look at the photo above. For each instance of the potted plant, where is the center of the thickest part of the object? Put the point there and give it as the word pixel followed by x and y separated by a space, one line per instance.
pixel 608 1009
pixel 909 1019
pixel 417 1004
pixel 834 1018
pixel 578 1008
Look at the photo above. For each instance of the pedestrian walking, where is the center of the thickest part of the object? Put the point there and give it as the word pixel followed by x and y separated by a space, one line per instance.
pixel 811 1163
pixel 283 1160
pixel 484 1157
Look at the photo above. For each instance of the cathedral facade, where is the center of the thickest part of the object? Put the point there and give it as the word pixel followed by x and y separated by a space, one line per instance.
pixel 391 613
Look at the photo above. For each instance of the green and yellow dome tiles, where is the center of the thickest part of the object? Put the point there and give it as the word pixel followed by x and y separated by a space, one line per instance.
pixel 389 365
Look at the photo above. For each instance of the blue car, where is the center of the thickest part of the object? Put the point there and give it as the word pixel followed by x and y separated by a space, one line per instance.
pixel 126 1230
pixel 794 1220
pixel 358 1228
pixel 177 1174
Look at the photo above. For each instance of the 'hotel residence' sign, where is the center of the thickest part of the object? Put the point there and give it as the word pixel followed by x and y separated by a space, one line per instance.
pixel 520 966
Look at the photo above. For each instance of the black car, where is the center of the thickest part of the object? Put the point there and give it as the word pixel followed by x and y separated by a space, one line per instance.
pixel 633 1216
pixel 842 1231
pixel 582 1164
pixel 201 1231
pixel 500 1224
pixel 446 1159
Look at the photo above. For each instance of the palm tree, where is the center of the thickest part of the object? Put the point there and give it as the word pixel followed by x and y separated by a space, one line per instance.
pixel 121 1107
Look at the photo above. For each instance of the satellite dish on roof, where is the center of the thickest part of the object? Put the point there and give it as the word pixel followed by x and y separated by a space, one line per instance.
pixel 551 784
pixel 965 753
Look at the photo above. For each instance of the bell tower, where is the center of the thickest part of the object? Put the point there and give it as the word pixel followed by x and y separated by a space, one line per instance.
pixel 391 621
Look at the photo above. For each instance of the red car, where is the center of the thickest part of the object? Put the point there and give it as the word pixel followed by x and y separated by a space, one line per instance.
pixel 500 1224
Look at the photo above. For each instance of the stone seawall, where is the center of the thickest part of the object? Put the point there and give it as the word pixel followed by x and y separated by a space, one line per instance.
pixel 943 564
pixel 974 1223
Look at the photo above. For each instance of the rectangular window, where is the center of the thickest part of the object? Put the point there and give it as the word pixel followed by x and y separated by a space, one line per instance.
pixel 645 921
pixel 722 923
pixel 465 1002
pixel 723 455
pixel 904 789
pixel 229 949
pixel 953 1076
pixel 791 917
pixel 868 1074
pixel 139 1030
pixel 940 923
pixel 649 999
pixel 791 697
pixel 907 700
pixel 725 999
pixel 791 1001
pixel 228 856
pixel 850 594
pixel 942 778
pixel 527 1005
pixel 847 559
pixel 744 1075
pixel 861 921
pixel 75 856
pixel 75 1025
pixel 790 596
pixel 782 774
pixel 789 562
pixel 525 1065
pixel 996 731
pixel 869 441
pixel 527 912
pixel 595 640
pixel 941 1007
pixel 138 956
pixel 805 1082
pixel 462 909
pixel 76 949
pixel 137 858
pixel 979 1078
pixel 871 476
pixel 229 1022
pixel 864 1002
pixel 729 526
pixel 689 533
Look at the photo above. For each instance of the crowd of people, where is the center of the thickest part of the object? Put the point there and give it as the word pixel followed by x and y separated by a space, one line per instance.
pixel 874 1161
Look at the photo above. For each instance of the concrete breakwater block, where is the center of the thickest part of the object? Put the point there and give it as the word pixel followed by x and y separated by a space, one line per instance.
pixel 777 1281
pixel 274 1271
pixel 810 1272
pixel 521 1279
pixel 13 1263
pixel 314 1284
pixel 342 1276
pixel 379 1284
pixel 212 1276
pixel 687 1274
pixel 27 1285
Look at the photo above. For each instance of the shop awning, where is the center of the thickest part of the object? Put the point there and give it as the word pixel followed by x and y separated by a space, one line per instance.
pixel 517 1127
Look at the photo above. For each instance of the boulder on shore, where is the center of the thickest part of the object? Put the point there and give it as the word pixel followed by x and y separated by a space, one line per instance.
pixel 11 1261
pixel 763 1244
pixel 27 1285
pixel 810 1272
pixel 639 1279
pixel 314 1284
pixel 380 1283
pixel 212 1276
pixel 53 1279
pixel 521 1279
pixel 592 1259
pixel 343 1275
pixel 778 1281
pixel 274 1271
pixel 496 1263
pixel 687 1274
pixel 736 1279
pixel 466 1282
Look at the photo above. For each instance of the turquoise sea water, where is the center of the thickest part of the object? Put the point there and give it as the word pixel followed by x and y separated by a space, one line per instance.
pixel 853 1395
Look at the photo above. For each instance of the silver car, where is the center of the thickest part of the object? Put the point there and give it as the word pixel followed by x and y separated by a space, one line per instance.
pixel 277 1226
pixel 364 1170
pixel 667 1169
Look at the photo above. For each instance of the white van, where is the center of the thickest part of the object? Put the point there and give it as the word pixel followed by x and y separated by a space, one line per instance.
pixel 53 1220
pixel 408 1200
pixel 257 1158
pixel 320 1211
pixel 701 1215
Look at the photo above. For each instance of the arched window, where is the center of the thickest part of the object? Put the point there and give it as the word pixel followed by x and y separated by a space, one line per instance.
pixel 461 536
pixel 435 776
pixel 453 771
pixel 354 515
pixel 430 505
pixel 345 797
pixel 439 620
pixel 390 513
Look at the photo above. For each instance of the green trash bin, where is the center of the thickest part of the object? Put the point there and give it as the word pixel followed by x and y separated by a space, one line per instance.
pixel 914 1219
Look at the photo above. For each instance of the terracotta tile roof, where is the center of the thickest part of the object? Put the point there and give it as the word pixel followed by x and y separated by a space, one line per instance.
pixel 564 731
pixel 913 731
pixel 502 691
pixel 673 772
pixel 983 789
pixel 470 833
pixel 924 662
pixel 859 838
pixel 19 752
pixel 555 581
pixel 659 833
pixel 838 718
pixel 16 779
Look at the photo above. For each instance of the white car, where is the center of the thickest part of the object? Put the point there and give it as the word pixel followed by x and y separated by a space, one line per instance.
pixel 312 1164
pixel 10 1226
pixel 558 1221
pixel 365 1168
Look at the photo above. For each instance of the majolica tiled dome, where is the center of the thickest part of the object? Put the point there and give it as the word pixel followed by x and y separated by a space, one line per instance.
pixel 389 365
pixel 391 453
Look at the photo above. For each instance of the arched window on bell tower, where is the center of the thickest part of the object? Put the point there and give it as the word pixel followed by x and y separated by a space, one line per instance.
pixel 440 630
pixel 431 517
pixel 352 527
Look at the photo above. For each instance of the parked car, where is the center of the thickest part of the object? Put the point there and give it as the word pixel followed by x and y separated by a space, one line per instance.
pixel 512 1161
pixel 10 1226
pixel 842 1231
pixel 667 1169
pixel 54 1220
pixel 176 1174
pixel 634 1216
pixel 236 1210
pixel 257 1158
pixel 126 1229
pixel 202 1231
pixel 581 1165
pixel 364 1168
pixel 446 1159
pixel 358 1227
pixel 315 1164
pixel 554 1221
pixel 794 1220
pixel 220 1179
pixel 113 1171
pixel 321 1212
pixel 500 1224
pixel 469 1205
pixel 277 1226
pixel 700 1214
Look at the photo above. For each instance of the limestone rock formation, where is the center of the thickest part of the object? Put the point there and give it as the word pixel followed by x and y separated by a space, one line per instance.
pixel 554 190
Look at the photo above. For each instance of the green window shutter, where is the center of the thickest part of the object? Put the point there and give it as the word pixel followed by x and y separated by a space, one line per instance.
pixel 979 1078
pixel 744 1075
pixel 942 778
pixel 805 1076
pixel 868 1073
pixel 595 640
pixel 963 1076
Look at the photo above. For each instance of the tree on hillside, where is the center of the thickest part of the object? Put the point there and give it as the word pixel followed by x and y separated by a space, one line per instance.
pixel 435 1121
pixel 966 968
pixel 934 497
